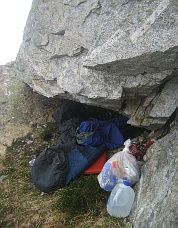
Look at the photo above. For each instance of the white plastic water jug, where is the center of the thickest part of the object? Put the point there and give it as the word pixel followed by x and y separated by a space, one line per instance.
pixel 121 200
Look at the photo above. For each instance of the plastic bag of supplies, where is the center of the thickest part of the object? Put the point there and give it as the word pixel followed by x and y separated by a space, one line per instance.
pixel 120 166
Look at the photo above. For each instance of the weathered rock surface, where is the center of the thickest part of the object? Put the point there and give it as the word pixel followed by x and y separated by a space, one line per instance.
pixel 156 200
pixel 21 107
pixel 121 55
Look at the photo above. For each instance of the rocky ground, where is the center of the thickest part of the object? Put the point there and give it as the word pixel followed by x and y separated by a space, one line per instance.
pixel 21 108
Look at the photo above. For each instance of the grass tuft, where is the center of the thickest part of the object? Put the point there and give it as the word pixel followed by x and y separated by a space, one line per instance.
pixel 84 195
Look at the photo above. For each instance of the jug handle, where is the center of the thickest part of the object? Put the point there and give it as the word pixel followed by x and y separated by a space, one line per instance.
pixel 117 194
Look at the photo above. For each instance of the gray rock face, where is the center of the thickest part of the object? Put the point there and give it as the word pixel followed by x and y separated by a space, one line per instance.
pixel 120 55
pixel 21 107
pixel 156 200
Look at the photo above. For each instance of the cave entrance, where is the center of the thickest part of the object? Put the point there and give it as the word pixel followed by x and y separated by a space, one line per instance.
pixel 70 110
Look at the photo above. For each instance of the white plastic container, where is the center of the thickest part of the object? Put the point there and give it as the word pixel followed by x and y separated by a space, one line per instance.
pixel 121 200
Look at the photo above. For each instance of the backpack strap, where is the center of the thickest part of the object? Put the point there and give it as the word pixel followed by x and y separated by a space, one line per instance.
pixel 83 136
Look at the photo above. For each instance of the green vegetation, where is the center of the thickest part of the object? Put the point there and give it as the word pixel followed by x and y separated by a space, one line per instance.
pixel 149 11
pixel 81 204
pixel 174 3
pixel 112 5
pixel 82 196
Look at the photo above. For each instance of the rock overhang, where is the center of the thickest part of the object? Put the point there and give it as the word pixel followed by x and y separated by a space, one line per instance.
pixel 102 53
